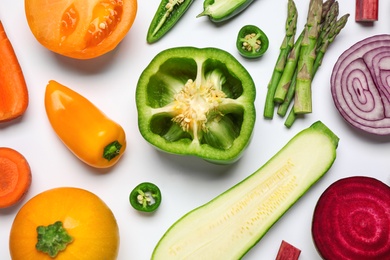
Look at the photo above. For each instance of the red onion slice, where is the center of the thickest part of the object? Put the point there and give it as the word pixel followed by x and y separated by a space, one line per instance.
pixel 352 220
pixel 360 85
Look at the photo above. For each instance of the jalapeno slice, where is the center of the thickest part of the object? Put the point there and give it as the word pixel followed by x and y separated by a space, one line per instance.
pixel 251 42
pixel 145 197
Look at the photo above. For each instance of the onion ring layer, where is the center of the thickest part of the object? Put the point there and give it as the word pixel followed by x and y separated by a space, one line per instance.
pixel 360 85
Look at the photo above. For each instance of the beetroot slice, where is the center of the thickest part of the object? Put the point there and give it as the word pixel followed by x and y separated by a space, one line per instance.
pixel 287 252
pixel 360 85
pixel 352 220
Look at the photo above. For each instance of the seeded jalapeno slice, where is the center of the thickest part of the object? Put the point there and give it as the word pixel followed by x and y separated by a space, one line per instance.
pixel 145 197
pixel 251 42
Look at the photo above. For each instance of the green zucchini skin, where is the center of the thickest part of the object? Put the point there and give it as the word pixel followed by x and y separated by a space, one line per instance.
pixel 228 226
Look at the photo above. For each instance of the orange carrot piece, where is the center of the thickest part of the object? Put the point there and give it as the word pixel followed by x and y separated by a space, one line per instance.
pixel 366 10
pixel 15 177
pixel 13 88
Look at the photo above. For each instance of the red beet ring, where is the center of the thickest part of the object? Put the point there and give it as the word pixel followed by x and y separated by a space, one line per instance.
pixel 352 220
pixel 360 85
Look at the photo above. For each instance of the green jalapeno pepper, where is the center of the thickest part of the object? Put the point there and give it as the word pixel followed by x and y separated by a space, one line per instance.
pixel 251 42
pixel 167 15
pixel 222 10
pixel 197 102
pixel 145 197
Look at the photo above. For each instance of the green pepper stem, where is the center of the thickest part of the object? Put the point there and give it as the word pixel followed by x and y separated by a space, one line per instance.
pixel 112 150
pixel 52 239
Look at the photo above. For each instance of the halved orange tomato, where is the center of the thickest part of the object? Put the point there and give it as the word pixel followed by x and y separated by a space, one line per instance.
pixel 81 29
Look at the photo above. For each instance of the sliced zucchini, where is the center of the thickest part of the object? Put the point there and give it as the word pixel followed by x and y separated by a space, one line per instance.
pixel 233 222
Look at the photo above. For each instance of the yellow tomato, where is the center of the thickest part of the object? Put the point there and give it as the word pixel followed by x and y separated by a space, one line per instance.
pixel 83 128
pixel 88 221
pixel 81 29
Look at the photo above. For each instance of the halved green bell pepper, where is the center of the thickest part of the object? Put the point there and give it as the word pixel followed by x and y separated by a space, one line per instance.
pixel 197 102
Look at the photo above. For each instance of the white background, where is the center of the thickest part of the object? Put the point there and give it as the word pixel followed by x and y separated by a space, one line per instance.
pixel 110 82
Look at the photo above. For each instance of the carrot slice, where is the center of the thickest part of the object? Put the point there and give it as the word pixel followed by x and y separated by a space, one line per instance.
pixel 15 177
pixel 13 89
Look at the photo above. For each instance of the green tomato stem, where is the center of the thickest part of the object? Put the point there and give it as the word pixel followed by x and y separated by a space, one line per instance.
pixel 52 239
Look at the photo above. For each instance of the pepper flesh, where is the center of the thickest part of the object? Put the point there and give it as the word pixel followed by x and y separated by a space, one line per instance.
pixel 83 128
pixel 222 10
pixel 251 42
pixel 167 15
pixel 197 102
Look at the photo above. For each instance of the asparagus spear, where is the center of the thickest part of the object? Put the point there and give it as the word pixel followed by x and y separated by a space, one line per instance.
pixel 302 101
pixel 327 29
pixel 333 30
pixel 325 9
pixel 289 72
pixel 290 118
pixel 289 98
pixel 288 79
pixel 285 48
pixel 329 20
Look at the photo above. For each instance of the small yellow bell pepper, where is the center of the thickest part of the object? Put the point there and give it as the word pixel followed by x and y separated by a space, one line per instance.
pixel 93 137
